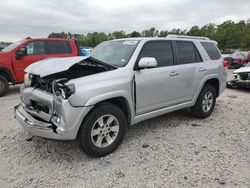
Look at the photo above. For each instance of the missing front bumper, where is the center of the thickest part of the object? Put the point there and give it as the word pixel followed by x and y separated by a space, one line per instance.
pixel 34 126
pixel 238 84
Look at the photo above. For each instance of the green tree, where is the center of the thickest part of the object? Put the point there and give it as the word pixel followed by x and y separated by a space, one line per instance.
pixel 58 35
pixel 163 33
pixel 118 35
pixel 229 35
pixel 194 31
pixel 134 34
pixel 152 32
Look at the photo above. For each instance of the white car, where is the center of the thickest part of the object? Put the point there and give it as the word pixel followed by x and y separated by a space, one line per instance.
pixel 241 78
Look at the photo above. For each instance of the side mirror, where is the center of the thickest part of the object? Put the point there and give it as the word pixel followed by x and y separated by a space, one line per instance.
pixel 147 62
pixel 21 52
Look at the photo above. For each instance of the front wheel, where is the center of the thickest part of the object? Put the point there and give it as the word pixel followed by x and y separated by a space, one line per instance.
pixel 4 86
pixel 103 130
pixel 205 103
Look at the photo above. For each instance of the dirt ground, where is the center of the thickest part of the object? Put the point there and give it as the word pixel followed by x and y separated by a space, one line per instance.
pixel 172 150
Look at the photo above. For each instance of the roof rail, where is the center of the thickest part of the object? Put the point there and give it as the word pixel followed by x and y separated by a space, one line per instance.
pixel 187 37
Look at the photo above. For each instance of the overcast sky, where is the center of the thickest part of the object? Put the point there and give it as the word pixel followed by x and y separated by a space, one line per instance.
pixel 38 18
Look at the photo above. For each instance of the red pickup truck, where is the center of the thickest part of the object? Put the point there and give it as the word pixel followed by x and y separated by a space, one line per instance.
pixel 16 57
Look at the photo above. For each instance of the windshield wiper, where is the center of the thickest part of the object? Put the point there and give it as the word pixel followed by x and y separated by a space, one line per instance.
pixel 102 63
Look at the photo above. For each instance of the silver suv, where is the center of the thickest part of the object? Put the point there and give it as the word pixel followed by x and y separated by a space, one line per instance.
pixel 123 82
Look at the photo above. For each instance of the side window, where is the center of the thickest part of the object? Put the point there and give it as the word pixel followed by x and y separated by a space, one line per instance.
pixel 161 50
pixel 211 50
pixel 35 48
pixel 59 47
pixel 187 53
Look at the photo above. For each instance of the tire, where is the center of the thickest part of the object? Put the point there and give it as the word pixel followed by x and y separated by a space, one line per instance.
pixel 4 86
pixel 93 139
pixel 199 109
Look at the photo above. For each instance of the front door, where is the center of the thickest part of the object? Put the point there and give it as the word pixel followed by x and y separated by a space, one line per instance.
pixel 35 52
pixel 156 87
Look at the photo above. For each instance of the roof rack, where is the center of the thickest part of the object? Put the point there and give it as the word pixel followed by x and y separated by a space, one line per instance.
pixel 187 37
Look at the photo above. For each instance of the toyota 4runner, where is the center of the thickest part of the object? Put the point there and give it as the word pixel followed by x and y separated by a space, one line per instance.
pixel 123 82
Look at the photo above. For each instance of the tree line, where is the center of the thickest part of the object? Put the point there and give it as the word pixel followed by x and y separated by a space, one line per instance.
pixel 230 35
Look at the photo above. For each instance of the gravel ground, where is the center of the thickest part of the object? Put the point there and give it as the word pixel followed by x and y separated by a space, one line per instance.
pixel 172 150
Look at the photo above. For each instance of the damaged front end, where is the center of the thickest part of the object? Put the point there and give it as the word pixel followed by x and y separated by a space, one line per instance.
pixel 45 110
pixel 240 80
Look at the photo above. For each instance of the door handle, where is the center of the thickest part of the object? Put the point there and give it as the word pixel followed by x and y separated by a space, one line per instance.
pixel 202 69
pixel 174 73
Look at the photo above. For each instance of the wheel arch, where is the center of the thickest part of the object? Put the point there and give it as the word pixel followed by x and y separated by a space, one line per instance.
pixel 7 74
pixel 212 80
pixel 119 101
pixel 215 83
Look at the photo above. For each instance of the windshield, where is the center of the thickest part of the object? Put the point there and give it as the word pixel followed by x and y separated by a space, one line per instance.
pixel 116 53
pixel 12 46
pixel 247 65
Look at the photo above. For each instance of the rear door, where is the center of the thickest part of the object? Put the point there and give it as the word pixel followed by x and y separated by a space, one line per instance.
pixel 59 48
pixel 190 67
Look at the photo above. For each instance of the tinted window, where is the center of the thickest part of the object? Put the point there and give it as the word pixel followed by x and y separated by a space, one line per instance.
pixel 59 47
pixel 187 52
pixel 161 50
pixel 211 49
pixel 35 48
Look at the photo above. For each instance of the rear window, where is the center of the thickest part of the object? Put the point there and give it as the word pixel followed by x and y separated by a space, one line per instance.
pixel 212 50
pixel 187 53
pixel 59 47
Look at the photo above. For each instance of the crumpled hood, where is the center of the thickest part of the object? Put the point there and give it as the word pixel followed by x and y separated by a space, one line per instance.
pixel 242 70
pixel 53 65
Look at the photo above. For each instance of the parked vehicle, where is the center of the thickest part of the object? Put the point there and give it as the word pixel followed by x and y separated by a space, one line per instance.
pixel 16 57
pixel 239 59
pixel 86 51
pixel 241 78
pixel 121 83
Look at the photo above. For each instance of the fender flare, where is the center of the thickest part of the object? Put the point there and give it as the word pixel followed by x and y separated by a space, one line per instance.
pixel 111 95
pixel 209 77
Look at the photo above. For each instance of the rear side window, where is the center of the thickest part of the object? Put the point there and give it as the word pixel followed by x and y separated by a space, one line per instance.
pixel 162 51
pixel 187 53
pixel 211 49
pixel 59 47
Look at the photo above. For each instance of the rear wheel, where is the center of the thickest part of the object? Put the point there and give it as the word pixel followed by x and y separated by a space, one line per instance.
pixel 205 103
pixel 4 86
pixel 103 130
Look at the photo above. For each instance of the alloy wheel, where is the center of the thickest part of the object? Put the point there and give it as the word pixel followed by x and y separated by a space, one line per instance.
pixel 105 131
pixel 207 101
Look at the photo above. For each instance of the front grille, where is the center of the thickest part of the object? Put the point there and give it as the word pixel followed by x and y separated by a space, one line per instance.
pixel 39 106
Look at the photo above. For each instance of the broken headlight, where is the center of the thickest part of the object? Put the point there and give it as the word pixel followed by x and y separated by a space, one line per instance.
pixel 27 79
pixel 60 88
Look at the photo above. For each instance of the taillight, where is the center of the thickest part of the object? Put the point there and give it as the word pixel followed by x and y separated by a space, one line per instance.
pixel 225 63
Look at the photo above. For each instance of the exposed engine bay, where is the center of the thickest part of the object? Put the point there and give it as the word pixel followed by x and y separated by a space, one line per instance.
pixel 56 83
